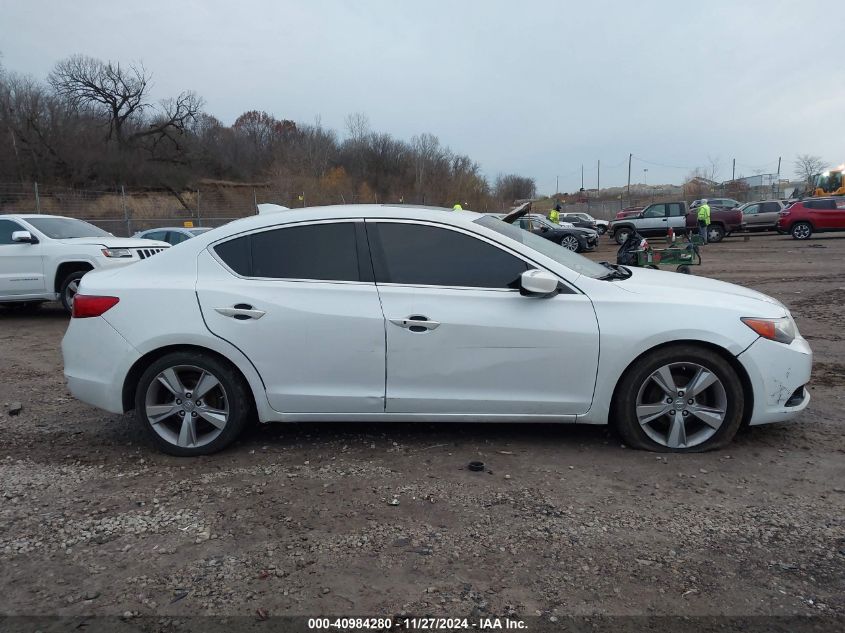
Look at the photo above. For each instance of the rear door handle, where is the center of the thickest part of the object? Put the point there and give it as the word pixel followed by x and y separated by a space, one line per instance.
pixel 416 323
pixel 241 312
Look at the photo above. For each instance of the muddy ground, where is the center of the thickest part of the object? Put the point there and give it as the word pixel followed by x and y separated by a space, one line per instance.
pixel 298 519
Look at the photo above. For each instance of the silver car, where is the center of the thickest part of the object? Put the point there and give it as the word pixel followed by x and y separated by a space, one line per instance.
pixel 762 215
pixel 172 234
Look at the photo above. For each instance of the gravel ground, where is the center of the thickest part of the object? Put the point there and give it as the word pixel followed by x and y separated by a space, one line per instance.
pixel 373 519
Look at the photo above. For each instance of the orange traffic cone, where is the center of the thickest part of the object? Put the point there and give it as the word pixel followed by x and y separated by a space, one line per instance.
pixel 670 236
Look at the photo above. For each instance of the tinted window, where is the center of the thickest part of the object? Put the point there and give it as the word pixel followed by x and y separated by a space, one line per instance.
pixel 427 255
pixel 318 251
pixel 7 227
pixel 655 211
pixel 751 210
pixel 768 207
pixel 820 204
pixel 161 236
pixel 675 209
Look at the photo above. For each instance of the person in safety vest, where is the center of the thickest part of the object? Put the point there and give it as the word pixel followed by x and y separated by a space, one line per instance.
pixel 554 214
pixel 457 207
pixel 703 219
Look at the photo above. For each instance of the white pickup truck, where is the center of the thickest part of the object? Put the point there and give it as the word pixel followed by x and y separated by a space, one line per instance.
pixel 43 257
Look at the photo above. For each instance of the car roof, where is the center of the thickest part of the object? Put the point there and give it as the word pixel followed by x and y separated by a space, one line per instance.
pixel 27 216
pixel 177 228
pixel 354 211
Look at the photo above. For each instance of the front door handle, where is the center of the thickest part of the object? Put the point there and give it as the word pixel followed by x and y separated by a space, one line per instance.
pixel 416 323
pixel 241 312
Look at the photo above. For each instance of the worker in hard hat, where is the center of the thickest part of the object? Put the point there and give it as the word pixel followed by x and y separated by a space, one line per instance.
pixel 703 220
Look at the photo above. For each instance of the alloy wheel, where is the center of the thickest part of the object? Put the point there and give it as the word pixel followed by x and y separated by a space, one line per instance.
pixel 681 405
pixel 801 231
pixel 570 242
pixel 187 406
pixel 71 291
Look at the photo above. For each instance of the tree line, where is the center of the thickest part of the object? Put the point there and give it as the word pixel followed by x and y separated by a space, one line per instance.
pixel 92 124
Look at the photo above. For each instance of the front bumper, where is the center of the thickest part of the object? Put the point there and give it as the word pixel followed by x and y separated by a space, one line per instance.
pixel 778 374
pixel 97 359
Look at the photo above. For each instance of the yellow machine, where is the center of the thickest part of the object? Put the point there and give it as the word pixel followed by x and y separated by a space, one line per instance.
pixel 830 182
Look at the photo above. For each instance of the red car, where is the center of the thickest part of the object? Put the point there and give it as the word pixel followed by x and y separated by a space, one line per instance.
pixel 813 215
pixel 628 212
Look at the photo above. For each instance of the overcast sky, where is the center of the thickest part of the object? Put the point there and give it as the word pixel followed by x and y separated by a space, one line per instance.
pixel 530 87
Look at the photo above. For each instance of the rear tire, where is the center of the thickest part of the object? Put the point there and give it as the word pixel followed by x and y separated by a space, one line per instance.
pixel 715 233
pixel 191 403
pixel 601 229
pixel 620 235
pixel 570 242
pixel 646 419
pixel 801 231
pixel 69 288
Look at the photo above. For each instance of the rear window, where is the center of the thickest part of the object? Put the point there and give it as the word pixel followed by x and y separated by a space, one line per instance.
pixel 325 252
pixel 820 204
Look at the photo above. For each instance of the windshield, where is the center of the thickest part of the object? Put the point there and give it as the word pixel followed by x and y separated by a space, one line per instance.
pixel 66 228
pixel 563 256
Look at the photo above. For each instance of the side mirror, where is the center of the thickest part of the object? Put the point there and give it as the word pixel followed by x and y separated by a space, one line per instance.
pixel 538 283
pixel 24 237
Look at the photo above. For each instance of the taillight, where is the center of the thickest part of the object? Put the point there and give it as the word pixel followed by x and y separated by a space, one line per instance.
pixel 85 306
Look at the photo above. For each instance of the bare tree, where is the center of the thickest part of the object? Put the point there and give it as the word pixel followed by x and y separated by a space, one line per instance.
pixel 807 166
pixel 357 125
pixel 713 164
pixel 118 91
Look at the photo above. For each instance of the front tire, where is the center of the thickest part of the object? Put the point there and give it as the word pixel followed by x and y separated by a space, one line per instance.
pixel 69 288
pixel 191 403
pixel 679 399
pixel 601 229
pixel 570 242
pixel 801 231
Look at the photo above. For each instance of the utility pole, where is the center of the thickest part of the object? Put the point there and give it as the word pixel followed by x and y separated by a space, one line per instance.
pixel 778 189
pixel 582 176
pixel 557 184
pixel 598 179
pixel 733 170
pixel 630 156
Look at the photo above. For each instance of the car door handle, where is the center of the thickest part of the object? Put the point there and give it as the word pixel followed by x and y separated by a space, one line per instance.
pixel 241 312
pixel 416 323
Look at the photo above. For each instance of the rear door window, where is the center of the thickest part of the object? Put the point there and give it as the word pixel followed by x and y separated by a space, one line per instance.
pixel 325 252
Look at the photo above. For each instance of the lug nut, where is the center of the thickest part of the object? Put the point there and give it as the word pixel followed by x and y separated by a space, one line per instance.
pixel 178 402
pixel 182 413
pixel 685 413
pixel 199 403
pixel 193 414
pixel 188 395
pixel 668 400
pixel 690 401
pixel 680 393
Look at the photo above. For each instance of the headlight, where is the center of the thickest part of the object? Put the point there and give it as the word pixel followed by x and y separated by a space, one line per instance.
pixel 117 252
pixel 782 330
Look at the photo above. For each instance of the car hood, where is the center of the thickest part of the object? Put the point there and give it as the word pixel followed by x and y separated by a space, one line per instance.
pixel 113 242
pixel 666 284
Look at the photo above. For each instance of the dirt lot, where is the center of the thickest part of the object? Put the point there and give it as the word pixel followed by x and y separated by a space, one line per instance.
pixel 299 520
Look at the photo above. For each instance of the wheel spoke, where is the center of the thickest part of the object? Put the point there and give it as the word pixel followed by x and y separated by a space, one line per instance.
pixel 648 412
pixel 206 383
pixel 701 381
pixel 158 412
pixel 188 432
pixel 664 380
pixel 677 432
pixel 711 416
pixel 216 417
pixel 170 379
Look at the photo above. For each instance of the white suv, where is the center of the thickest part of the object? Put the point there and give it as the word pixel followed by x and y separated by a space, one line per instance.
pixel 43 257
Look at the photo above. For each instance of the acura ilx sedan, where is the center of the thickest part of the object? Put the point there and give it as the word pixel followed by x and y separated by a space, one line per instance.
pixel 390 313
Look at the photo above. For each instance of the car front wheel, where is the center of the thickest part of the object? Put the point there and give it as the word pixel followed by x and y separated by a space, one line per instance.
pixel 190 403
pixel 679 399
pixel 801 231
pixel 601 229
pixel 70 286
pixel 570 242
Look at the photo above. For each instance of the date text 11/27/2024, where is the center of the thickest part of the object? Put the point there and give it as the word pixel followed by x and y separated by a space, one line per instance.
pixel 415 624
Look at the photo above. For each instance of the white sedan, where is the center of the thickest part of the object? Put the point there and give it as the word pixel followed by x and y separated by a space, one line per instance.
pixel 382 313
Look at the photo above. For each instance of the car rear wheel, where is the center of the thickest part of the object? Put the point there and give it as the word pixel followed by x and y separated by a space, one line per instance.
pixel 570 242
pixel 715 233
pixel 601 229
pixel 70 286
pixel 679 399
pixel 190 403
pixel 620 235
pixel 801 230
